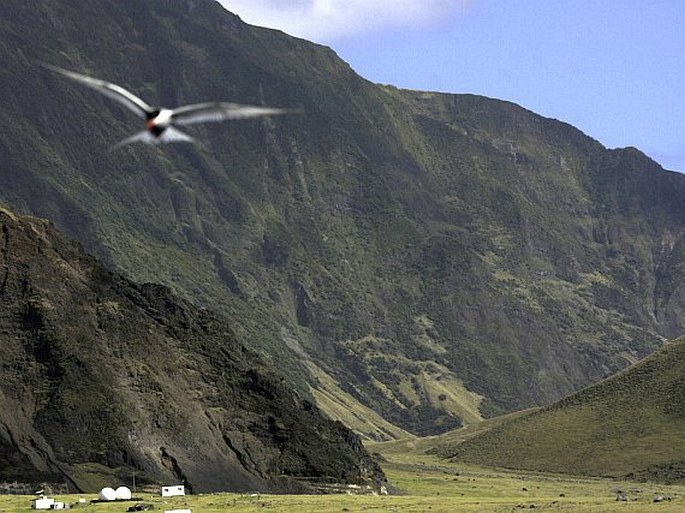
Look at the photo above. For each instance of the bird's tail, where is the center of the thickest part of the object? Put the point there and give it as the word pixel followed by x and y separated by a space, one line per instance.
pixel 170 134
pixel 143 136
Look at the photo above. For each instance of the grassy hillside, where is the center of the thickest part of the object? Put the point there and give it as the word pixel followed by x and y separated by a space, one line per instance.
pixel 435 258
pixel 632 425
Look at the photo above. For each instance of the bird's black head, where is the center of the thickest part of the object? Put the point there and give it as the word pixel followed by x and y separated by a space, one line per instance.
pixel 152 114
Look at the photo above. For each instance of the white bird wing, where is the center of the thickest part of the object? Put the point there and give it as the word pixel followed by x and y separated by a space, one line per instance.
pixel 113 91
pixel 220 111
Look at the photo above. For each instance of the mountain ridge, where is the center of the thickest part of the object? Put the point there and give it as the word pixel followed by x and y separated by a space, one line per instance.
pixel 403 240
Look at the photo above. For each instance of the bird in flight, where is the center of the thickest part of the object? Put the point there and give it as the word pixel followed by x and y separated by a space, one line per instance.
pixel 160 122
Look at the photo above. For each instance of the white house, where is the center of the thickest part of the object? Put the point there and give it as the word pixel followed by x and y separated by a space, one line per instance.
pixel 171 491
pixel 42 502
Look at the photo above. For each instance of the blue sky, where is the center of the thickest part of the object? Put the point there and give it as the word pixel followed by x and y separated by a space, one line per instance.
pixel 613 68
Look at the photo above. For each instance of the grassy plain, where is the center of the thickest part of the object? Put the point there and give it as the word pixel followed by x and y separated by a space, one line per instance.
pixel 425 484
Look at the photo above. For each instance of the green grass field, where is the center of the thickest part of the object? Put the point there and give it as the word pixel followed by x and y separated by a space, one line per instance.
pixel 426 484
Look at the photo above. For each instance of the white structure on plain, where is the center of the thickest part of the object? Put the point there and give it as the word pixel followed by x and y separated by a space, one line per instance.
pixel 108 494
pixel 171 491
pixel 42 502
pixel 123 493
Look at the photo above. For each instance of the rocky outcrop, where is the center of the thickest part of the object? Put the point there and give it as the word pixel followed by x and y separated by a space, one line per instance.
pixel 101 377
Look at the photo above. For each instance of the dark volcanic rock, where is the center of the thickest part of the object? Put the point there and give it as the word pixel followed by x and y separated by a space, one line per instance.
pixel 96 369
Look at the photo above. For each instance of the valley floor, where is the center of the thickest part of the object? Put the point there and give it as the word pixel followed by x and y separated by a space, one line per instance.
pixel 425 484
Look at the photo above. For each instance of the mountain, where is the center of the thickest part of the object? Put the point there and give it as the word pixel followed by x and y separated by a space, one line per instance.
pixel 412 261
pixel 101 378
pixel 631 425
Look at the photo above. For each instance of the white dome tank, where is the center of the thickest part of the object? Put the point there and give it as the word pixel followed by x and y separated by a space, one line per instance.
pixel 108 494
pixel 123 493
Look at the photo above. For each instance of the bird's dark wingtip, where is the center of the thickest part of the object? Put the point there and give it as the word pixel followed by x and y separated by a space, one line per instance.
pixel 51 67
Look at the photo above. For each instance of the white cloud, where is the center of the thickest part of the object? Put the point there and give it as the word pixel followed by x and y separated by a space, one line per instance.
pixel 328 20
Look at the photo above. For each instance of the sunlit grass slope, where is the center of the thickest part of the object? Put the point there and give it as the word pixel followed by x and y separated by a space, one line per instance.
pixel 632 424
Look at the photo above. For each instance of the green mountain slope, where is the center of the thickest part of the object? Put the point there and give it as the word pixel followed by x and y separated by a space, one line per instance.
pixel 101 378
pixel 632 424
pixel 436 258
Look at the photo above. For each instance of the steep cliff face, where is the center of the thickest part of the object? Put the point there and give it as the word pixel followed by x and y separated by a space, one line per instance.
pixel 433 257
pixel 101 377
